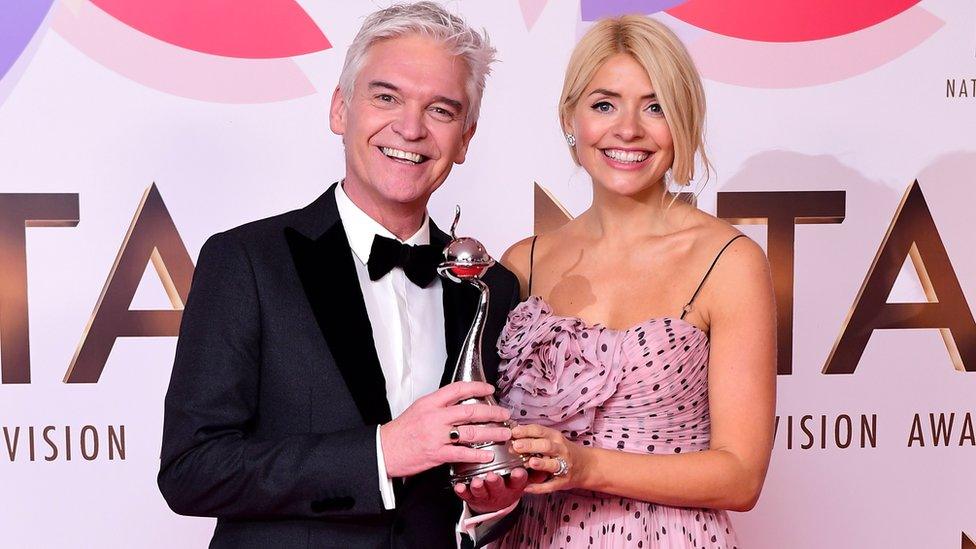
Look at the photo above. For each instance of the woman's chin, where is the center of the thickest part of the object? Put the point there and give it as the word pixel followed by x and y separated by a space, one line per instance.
pixel 630 187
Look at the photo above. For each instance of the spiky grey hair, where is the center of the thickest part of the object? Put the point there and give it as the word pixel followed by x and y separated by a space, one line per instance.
pixel 427 19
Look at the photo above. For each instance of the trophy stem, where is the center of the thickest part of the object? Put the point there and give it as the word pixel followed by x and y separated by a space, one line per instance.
pixel 466 260
pixel 469 361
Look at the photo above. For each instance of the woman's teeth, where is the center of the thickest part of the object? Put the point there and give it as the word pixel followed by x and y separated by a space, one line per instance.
pixel 402 155
pixel 625 156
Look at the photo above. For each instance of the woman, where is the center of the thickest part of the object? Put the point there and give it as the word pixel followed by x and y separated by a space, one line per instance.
pixel 641 366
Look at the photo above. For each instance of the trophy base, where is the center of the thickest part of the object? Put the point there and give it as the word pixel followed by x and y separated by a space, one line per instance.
pixel 506 460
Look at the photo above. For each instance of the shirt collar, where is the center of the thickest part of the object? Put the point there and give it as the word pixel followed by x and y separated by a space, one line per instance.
pixel 361 228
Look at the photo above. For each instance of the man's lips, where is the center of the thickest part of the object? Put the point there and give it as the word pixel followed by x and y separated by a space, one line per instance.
pixel 403 156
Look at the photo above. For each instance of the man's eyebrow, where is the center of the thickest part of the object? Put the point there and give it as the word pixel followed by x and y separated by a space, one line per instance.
pixel 383 84
pixel 608 93
pixel 457 105
pixel 454 103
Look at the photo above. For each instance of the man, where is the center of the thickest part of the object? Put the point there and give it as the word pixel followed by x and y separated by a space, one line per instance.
pixel 304 408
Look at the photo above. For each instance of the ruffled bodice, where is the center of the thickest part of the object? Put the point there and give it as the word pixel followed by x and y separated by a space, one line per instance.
pixel 644 389
pixel 641 390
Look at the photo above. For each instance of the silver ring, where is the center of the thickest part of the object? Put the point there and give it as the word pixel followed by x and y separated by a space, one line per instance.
pixel 454 435
pixel 563 467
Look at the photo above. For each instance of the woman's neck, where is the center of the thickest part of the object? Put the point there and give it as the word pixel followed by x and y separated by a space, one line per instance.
pixel 625 218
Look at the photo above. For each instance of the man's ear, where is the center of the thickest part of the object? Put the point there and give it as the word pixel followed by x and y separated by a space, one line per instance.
pixel 337 113
pixel 465 140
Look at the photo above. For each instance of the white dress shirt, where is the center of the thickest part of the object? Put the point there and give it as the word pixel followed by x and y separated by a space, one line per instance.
pixel 408 331
pixel 407 321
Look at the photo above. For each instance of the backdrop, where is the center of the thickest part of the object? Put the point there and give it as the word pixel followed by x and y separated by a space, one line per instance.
pixel 131 130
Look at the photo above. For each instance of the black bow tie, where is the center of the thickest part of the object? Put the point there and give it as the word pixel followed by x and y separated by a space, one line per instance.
pixel 419 263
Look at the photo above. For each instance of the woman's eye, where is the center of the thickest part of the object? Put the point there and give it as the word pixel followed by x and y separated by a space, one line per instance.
pixel 655 108
pixel 602 106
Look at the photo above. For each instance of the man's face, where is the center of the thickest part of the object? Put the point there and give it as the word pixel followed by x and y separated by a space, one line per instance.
pixel 403 128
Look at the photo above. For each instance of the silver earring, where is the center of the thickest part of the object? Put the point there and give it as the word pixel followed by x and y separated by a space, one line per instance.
pixel 570 140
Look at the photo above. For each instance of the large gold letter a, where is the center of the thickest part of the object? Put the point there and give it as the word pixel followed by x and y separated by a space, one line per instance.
pixel 912 233
pixel 151 237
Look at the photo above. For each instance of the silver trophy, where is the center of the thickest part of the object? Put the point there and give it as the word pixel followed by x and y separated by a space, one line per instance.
pixel 465 261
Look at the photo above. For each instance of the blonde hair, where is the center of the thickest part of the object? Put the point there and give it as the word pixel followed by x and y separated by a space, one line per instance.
pixel 672 72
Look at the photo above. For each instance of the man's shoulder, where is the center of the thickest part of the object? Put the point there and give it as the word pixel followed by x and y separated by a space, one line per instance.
pixel 260 229
pixel 271 230
pixel 500 278
pixel 253 239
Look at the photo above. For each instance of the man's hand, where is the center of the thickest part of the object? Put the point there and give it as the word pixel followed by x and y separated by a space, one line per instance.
pixel 494 492
pixel 420 438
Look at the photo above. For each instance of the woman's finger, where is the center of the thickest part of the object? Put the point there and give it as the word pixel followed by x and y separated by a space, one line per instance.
pixel 546 464
pixel 544 487
pixel 533 446
pixel 529 431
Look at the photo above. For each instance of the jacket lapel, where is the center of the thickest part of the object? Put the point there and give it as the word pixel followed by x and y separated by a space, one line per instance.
pixel 326 268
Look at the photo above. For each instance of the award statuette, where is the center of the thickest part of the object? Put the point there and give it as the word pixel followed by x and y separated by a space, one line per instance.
pixel 465 261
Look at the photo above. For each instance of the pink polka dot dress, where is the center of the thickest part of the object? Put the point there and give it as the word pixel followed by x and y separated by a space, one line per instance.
pixel 642 390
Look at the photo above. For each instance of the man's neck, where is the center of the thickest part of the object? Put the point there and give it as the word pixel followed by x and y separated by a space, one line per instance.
pixel 403 220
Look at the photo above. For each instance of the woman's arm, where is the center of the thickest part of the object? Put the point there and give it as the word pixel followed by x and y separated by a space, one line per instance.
pixel 741 393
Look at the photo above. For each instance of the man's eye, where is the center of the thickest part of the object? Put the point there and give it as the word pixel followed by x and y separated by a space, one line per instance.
pixel 386 98
pixel 442 113
pixel 602 106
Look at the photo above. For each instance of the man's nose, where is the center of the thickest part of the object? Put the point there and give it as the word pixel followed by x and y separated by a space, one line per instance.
pixel 410 124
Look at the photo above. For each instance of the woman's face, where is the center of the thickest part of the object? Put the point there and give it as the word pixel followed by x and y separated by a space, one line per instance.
pixel 622 138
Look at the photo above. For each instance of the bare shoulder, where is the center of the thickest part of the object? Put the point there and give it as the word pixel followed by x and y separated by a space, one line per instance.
pixel 741 257
pixel 739 269
pixel 740 277
pixel 518 259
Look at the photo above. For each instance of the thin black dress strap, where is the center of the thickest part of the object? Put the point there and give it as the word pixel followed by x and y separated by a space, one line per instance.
pixel 687 308
pixel 531 262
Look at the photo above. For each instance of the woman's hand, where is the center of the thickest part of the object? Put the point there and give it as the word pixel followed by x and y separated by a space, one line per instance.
pixel 549 449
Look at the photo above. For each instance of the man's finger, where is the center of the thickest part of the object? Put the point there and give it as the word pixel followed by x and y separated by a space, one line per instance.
pixel 479 433
pixel 449 395
pixel 494 483
pixel 476 413
pixel 478 488
pixel 517 479
pixel 463 454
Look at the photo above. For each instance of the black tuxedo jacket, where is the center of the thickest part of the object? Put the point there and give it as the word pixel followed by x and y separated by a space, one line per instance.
pixel 276 392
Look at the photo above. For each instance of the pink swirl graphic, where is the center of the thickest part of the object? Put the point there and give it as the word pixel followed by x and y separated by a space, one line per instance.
pixel 279 28
pixel 777 44
pixel 778 21
pixel 178 71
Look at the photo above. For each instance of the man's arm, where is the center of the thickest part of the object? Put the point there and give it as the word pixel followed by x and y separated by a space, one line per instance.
pixel 211 464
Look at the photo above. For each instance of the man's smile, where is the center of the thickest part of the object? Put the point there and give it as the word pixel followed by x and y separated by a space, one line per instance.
pixel 403 156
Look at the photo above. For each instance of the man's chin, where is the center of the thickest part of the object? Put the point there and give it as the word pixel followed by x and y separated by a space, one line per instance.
pixel 404 193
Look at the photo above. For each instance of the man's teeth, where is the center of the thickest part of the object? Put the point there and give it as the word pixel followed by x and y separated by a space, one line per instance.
pixel 626 156
pixel 403 155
